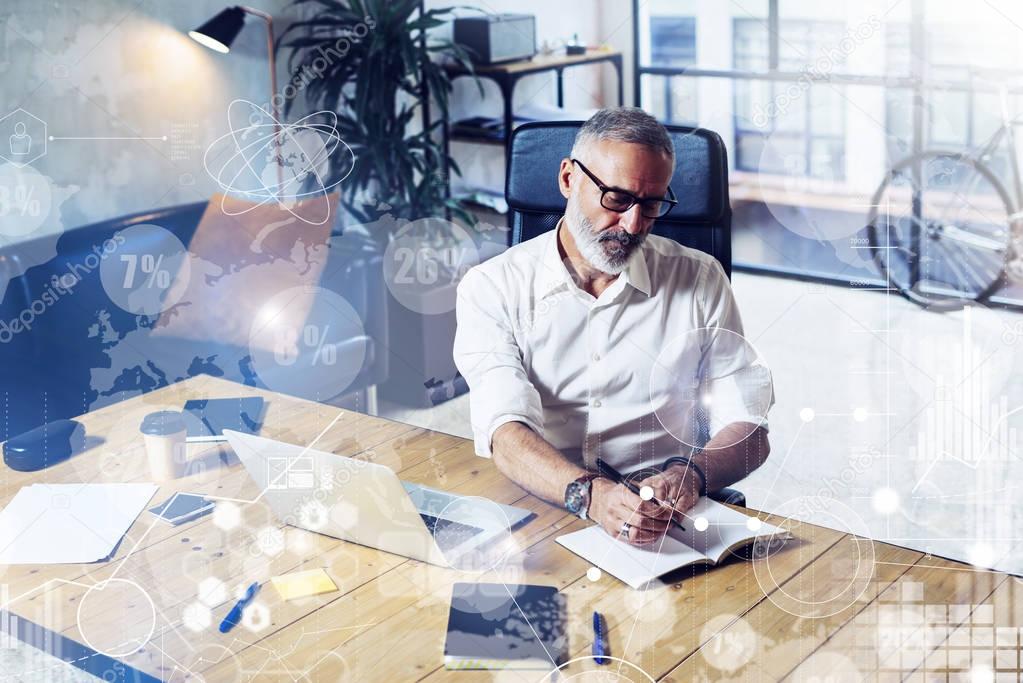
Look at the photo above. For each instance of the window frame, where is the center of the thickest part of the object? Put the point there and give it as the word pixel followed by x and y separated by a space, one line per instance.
pixel 806 134
pixel 669 113
pixel 913 83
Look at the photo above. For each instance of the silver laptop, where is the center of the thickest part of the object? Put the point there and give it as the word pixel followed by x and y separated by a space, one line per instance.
pixel 366 503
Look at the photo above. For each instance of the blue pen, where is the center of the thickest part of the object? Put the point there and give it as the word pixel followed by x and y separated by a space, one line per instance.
pixel 235 615
pixel 599 647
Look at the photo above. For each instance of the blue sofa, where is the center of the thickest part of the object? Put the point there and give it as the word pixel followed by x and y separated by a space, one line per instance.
pixel 46 367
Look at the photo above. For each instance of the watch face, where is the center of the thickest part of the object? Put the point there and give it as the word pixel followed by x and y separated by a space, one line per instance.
pixel 575 497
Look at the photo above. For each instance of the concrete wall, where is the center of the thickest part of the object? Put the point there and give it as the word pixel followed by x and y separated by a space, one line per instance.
pixel 117 69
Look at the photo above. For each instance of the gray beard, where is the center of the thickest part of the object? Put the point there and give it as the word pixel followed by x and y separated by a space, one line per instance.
pixel 594 246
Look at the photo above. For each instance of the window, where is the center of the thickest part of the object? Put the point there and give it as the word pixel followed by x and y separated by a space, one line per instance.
pixel 789 128
pixel 958 117
pixel 897 73
pixel 672 44
pixel 672 41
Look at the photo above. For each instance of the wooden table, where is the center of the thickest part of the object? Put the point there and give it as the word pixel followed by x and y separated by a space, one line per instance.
pixel 793 615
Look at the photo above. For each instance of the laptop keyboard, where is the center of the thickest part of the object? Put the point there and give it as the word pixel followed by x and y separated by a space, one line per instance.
pixel 447 533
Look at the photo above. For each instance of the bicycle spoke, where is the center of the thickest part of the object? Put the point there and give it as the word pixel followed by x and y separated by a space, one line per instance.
pixel 962 278
pixel 983 280
pixel 943 242
pixel 960 192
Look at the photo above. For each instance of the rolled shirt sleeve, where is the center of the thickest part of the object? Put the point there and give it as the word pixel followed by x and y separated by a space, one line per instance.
pixel 736 384
pixel 489 358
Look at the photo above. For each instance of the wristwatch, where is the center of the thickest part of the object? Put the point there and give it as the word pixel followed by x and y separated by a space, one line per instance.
pixel 577 495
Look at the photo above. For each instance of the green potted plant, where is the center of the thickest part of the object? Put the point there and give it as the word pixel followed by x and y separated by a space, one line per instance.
pixel 372 63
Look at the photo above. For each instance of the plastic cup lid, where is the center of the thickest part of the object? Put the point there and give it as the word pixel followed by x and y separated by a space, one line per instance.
pixel 163 423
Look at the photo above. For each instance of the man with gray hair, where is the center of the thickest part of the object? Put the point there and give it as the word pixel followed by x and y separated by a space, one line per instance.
pixel 565 341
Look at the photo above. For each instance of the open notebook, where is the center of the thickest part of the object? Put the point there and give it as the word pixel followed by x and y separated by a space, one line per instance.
pixel 637 565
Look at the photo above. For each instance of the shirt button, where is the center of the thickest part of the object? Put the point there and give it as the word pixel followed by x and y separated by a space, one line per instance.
pixel 596 356
pixel 596 403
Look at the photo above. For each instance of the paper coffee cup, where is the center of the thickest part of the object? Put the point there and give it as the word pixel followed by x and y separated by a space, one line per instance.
pixel 164 433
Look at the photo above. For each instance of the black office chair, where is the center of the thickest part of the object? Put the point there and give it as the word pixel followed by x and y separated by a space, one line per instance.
pixel 701 220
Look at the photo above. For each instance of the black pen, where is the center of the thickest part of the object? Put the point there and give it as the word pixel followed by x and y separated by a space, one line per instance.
pixel 616 476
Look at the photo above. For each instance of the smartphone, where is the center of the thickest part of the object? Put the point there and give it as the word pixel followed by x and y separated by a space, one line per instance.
pixel 181 508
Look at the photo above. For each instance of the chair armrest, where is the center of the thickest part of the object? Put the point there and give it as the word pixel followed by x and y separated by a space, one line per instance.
pixel 730 496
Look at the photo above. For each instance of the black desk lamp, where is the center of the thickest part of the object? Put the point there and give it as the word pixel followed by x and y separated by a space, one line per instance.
pixel 219 32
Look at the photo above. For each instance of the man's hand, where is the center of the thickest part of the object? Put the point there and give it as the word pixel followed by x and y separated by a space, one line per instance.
pixel 678 487
pixel 612 506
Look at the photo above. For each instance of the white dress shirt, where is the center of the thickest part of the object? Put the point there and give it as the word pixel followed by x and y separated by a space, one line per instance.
pixel 609 377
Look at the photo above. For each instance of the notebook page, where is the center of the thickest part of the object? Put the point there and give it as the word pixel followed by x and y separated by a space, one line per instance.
pixel 633 565
pixel 727 527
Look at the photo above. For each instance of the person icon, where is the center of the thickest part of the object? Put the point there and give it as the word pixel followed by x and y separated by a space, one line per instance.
pixel 21 142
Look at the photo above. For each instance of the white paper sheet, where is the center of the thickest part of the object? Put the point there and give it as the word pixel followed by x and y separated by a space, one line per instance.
pixel 69 523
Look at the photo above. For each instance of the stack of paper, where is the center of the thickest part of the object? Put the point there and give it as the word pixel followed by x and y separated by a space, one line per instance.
pixel 69 523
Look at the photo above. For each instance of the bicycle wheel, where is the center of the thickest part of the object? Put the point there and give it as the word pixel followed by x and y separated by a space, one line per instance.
pixel 943 238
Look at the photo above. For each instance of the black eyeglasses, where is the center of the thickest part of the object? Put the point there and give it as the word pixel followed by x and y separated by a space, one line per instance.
pixel 621 201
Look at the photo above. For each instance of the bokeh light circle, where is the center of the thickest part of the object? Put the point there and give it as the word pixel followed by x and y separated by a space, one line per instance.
pixel 787 190
pixel 823 588
pixel 729 642
pixel 424 263
pixel 624 672
pixel 144 269
pixel 485 514
pixel 25 200
pixel 115 596
pixel 705 379
pixel 308 342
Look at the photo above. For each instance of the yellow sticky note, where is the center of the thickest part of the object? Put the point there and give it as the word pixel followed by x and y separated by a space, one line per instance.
pixel 302 584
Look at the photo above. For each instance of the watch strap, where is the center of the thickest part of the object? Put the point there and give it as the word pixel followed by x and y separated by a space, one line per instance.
pixel 689 463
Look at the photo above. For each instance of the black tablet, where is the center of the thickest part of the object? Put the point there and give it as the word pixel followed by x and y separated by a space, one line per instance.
pixel 207 419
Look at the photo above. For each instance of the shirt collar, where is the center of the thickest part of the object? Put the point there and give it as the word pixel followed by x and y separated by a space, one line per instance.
pixel 554 273
pixel 636 273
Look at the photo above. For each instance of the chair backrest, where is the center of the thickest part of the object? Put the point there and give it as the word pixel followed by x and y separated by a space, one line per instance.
pixel 702 220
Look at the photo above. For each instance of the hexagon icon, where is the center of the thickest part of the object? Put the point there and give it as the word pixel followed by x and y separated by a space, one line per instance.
pixel 226 515
pixel 256 617
pixel 270 541
pixel 212 591
pixel 313 515
pixel 22 137
pixel 197 617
